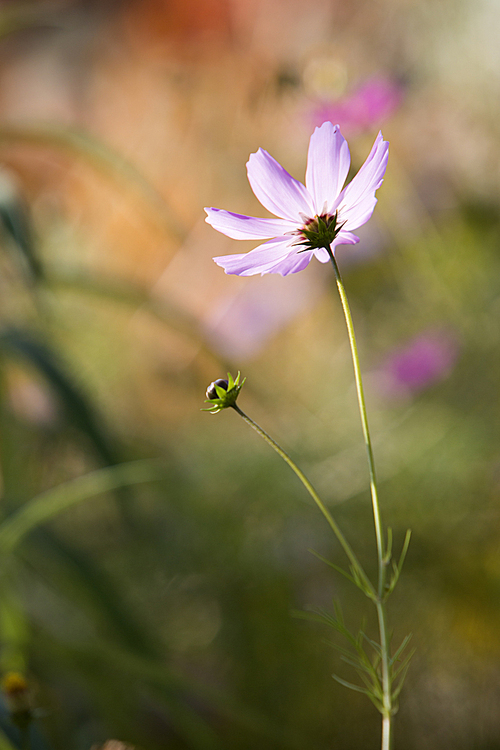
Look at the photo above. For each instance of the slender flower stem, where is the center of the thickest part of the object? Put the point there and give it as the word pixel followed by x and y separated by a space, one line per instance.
pixel 326 513
pixel 382 553
pixel 364 419
pixel 388 709
pixel 386 732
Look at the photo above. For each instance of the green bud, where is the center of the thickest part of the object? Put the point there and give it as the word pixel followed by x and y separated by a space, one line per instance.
pixel 223 393
pixel 211 393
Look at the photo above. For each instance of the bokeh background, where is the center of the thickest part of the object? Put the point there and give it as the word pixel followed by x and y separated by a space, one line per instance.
pixel 161 614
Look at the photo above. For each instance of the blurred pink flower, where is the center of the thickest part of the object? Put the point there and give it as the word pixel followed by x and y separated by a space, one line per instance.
pixel 242 323
pixel 366 107
pixel 312 217
pixel 425 360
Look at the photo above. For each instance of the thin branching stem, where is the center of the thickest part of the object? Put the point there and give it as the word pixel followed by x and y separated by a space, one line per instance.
pixel 312 492
pixel 379 593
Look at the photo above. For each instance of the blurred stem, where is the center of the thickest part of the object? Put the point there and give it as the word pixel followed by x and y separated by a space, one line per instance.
pixel 382 554
pixel 326 513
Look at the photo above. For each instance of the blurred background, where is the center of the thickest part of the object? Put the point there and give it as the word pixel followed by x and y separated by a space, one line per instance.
pixel 161 614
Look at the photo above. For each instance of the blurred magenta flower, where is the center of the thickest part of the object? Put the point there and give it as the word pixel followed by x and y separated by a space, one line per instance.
pixel 310 218
pixel 364 108
pixel 425 360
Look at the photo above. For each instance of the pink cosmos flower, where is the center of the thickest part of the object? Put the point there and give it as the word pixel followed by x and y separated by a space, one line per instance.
pixel 311 218
pixel 366 106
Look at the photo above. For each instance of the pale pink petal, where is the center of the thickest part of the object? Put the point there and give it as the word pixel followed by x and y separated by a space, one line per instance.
pixel 259 259
pixel 357 200
pixel 240 227
pixel 328 163
pixel 345 238
pixel 291 263
pixel 321 254
pixel 278 191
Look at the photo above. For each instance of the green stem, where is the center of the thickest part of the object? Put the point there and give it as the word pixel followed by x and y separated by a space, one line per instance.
pixel 387 707
pixel 364 420
pixel 307 484
pixel 382 554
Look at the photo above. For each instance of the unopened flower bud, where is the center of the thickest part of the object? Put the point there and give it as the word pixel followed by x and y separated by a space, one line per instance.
pixel 211 392
pixel 223 393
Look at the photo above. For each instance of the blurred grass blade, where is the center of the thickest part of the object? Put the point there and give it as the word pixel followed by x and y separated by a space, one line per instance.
pixel 16 223
pixel 124 293
pixel 102 158
pixel 78 578
pixel 78 409
pixel 47 505
pixel 174 690
pixel 14 629
pixel 4 742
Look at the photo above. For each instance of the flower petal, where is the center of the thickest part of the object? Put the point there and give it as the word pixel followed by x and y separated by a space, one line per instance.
pixel 345 238
pixel 321 254
pixel 277 190
pixel 328 162
pixel 260 260
pixel 357 200
pixel 291 263
pixel 240 227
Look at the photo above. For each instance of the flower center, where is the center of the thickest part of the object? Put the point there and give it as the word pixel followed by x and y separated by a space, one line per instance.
pixel 319 232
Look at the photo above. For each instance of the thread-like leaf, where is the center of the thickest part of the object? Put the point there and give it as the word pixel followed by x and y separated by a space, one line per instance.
pixel 357 688
pixel 388 551
pixel 402 676
pixel 332 565
pixel 404 665
pixel 351 685
pixel 404 551
pixel 397 568
pixel 401 648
